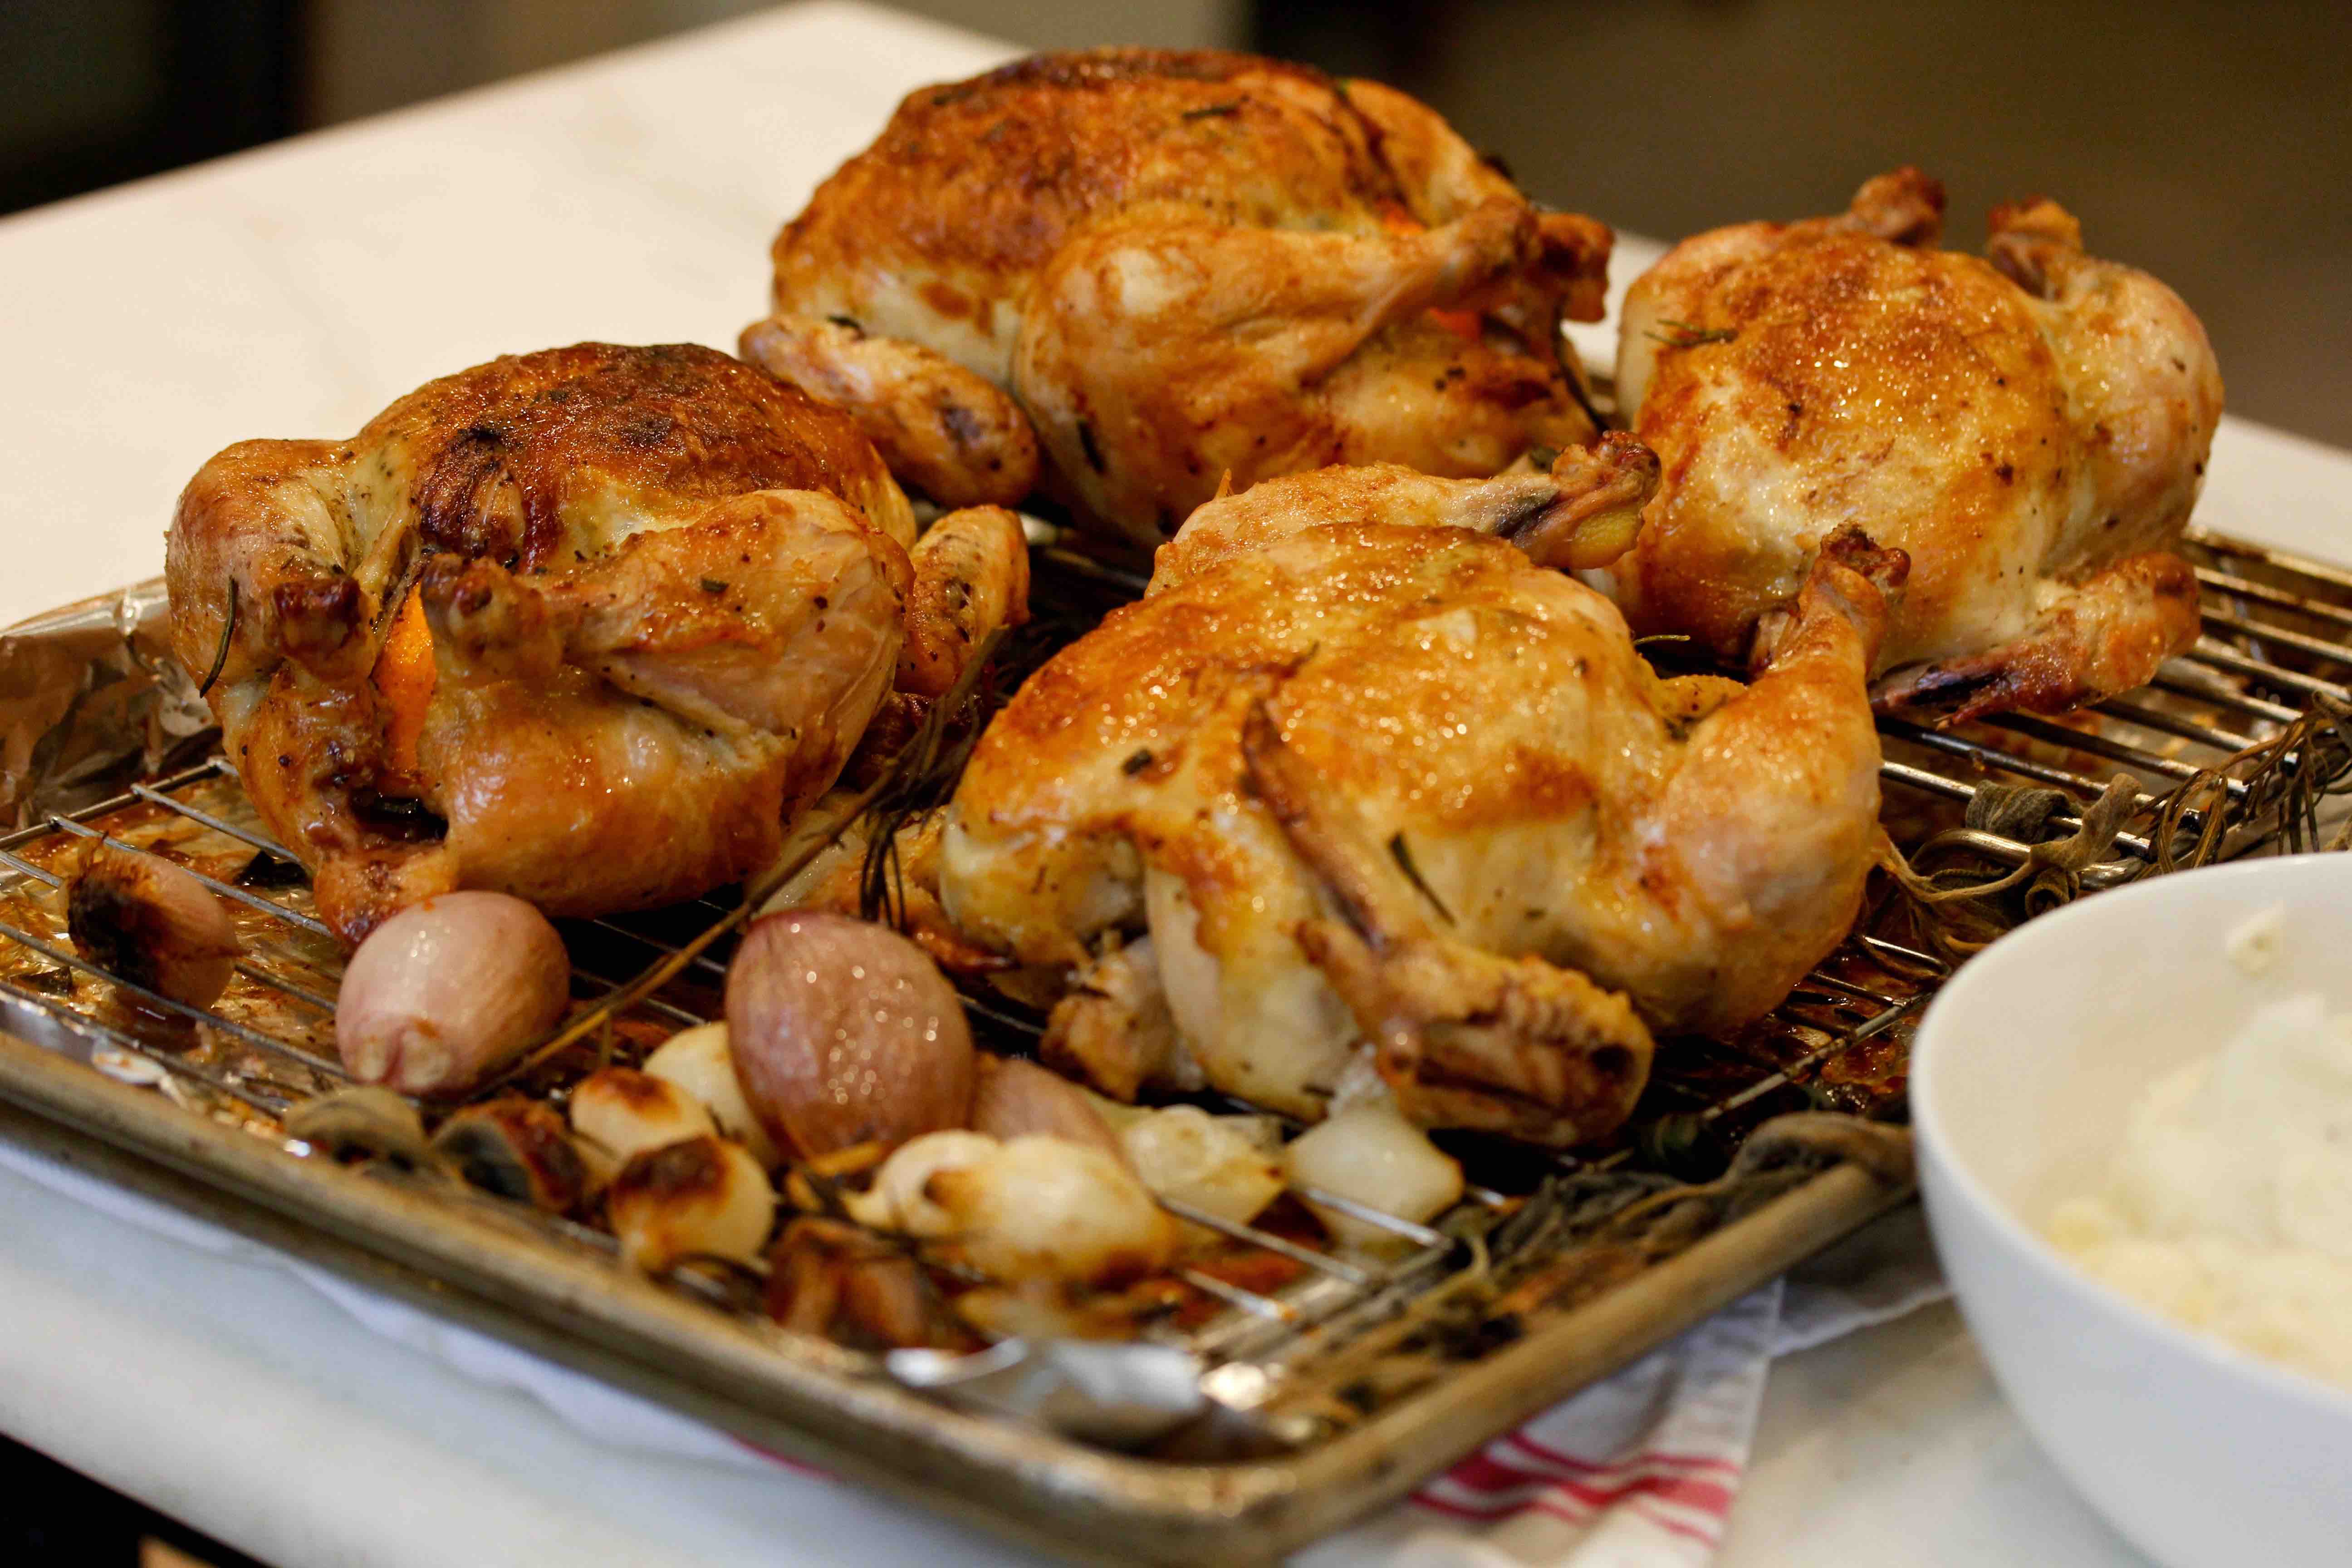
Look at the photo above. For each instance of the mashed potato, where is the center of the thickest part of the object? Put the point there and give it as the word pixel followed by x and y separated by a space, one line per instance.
pixel 2228 1206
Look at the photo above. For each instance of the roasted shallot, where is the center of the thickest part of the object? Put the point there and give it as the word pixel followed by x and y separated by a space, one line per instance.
pixel 843 1032
pixel 365 1122
pixel 450 990
pixel 147 921
pixel 835 1279
pixel 1016 1097
pixel 516 1148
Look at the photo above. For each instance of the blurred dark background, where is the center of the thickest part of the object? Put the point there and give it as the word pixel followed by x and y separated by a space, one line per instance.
pixel 2209 143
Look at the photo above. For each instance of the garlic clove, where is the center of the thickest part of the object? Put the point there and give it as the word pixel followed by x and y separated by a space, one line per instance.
pixel 625 1112
pixel 699 1061
pixel 600 1163
pixel 703 1197
pixel 1372 1154
pixel 1184 1153
pixel 448 991
pixel 897 1200
pixel 517 1148
pixel 144 919
pixel 843 1032
pixel 1040 1209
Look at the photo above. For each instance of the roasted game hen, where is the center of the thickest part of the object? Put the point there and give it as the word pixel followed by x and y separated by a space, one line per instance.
pixel 1127 273
pixel 586 625
pixel 2030 429
pixel 1357 771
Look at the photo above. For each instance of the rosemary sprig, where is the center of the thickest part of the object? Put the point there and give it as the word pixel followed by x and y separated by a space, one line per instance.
pixel 958 718
pixel 916 789
pixel 220 655
pixel 1582 398
pixel 1403 858
pixel 1691 335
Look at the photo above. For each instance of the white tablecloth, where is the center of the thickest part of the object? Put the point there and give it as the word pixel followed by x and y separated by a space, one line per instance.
pixel 293 291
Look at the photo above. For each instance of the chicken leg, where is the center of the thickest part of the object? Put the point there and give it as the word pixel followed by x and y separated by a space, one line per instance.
pixel 1461 1036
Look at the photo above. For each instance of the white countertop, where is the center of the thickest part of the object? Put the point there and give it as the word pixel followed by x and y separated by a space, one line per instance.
pixel 293 291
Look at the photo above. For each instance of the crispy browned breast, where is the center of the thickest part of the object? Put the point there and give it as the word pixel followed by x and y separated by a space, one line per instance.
pixel 662 591
pixel 1175 264
pixel 974 186
pixel 664 428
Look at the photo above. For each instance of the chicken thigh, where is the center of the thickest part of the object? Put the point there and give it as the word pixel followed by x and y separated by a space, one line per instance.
pixel 586 625
pixel 2030 429
pixel 1360 786
pixel 1130 272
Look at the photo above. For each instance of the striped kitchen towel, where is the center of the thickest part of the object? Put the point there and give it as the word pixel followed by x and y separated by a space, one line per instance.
pixel 1641 1471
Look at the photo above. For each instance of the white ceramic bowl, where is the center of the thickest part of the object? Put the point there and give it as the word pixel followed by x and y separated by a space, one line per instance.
pixel 2022 1074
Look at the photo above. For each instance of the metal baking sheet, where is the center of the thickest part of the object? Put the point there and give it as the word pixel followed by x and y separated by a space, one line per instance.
pixel 88 704
pixel 829 1407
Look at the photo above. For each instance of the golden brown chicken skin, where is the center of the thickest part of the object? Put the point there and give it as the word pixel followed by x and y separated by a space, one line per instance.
pixel 587 626
pixel 1378 790
pixel 1129 272
pixel 2031 429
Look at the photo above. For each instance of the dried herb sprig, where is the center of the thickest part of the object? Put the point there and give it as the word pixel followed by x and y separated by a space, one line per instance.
pixel 2294 775
pixel 2286 780
pixel 1582 397
pixel 1691 335
pixel 913 792
pixel 1403 856
pixel 1084 590
pixel 220 655
pixel 1960 909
